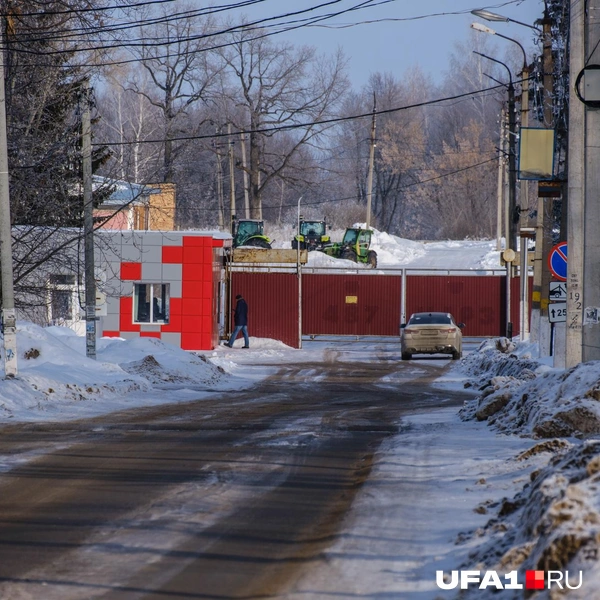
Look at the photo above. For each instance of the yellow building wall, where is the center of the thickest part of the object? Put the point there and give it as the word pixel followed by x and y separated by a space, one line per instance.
pixel 158 214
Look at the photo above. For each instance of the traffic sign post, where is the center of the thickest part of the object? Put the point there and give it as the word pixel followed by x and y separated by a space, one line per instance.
pixel 557 261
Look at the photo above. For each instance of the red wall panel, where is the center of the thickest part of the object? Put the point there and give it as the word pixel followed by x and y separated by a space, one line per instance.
pixel 366 304
pixel 478 302
pixel 272 304
pixel 328 305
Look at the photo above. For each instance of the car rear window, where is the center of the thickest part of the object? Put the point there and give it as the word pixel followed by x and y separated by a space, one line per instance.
pixel 430 320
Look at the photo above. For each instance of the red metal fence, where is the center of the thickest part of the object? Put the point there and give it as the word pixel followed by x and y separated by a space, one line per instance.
pixel 350 304
pixel 272 304
pixel 371 304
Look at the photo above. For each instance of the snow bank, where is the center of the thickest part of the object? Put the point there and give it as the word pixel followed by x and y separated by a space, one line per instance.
pixel 56 377
pixel 553 522
pixel 521 395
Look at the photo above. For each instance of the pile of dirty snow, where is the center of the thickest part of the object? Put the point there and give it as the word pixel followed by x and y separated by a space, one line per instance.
pixel 55 376
pixel 519 394
pixel 553 522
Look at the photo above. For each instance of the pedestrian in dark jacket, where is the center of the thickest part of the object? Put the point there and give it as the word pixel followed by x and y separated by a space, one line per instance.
pixel 240 320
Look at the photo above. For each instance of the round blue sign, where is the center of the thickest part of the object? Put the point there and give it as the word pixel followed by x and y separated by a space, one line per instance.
pixel 557 261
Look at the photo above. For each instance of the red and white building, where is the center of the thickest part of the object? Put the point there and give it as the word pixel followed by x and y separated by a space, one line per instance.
pixel 163 284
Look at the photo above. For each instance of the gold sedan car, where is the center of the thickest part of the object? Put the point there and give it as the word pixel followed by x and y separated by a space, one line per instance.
pixel 431 333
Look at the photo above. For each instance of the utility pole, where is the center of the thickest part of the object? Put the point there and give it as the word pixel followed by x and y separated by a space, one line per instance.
pixel 511 232
pixel 220 190
pixel 245 171
pixel 541 272
pixel 591 174
pixel 500 192
pixel 576 169
pixel 9 319
pixel 231 174
pixel 88 225
pixel 371 164
pixel 524 202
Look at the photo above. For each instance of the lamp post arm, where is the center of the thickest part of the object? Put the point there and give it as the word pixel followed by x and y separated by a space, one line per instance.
pixel 496 61
pixel 512 166
pixel 518 44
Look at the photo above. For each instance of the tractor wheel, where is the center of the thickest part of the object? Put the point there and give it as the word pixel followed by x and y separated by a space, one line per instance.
pixel 348 254
pixel 406 356
pixel 258 243
pixel 372 259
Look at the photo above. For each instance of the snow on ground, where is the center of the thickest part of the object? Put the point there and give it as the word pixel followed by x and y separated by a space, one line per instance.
pixel 521 493
pixel 393 252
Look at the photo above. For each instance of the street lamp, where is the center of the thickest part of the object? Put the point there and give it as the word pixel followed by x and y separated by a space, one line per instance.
pixel 524 288
pixel 490 16
pixel 485 29
pixel 512 185
pixel 512 169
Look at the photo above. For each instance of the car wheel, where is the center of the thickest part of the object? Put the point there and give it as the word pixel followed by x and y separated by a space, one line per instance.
pixel 406 356
pixel 456 355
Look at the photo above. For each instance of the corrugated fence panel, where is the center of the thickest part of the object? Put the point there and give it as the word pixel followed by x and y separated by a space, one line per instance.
pixel 478 302
pixel 272 304
pixel 350 304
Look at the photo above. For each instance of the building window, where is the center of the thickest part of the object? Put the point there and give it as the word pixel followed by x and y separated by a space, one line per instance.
pixel 151 303
pixel 62 292
pixel 61 305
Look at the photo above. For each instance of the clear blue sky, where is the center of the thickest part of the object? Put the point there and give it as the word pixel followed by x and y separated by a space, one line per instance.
pixel 414 38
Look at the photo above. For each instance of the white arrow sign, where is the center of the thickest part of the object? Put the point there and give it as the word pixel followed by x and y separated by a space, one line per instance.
pixel 557 312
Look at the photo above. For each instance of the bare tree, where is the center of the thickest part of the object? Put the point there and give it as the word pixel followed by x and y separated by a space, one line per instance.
pixel 173 52
pixel 269 86
pixel 128 121
pixel 462 193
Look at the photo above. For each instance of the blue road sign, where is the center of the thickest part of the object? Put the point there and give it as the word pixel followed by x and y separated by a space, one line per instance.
pixel 557 261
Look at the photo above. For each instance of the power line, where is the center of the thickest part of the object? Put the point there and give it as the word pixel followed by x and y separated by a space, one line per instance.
pixel 203 12
pixel 415 18
pixel 46 13
pixel 146 22
pixel 343 199
pixel 292 126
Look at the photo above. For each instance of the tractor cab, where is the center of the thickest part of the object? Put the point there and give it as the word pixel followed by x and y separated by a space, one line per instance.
pixel 355 246
pixel 312 235
pixel 360 238
pixel 249 232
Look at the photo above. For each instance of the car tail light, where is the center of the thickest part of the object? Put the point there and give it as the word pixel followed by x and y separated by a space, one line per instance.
pixel 451 330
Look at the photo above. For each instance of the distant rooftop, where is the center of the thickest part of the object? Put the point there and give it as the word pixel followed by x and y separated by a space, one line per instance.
pixel 124 192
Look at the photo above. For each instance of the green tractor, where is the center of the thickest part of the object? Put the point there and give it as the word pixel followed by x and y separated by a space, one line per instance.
pixel 355 246
pixel 312 235
pixel 249 232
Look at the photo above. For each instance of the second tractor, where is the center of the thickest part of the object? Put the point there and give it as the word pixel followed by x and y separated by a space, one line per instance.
pixel 312 235
pixel 355 246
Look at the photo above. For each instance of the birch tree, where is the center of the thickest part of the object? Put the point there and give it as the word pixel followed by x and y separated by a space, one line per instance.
pixel 174 53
